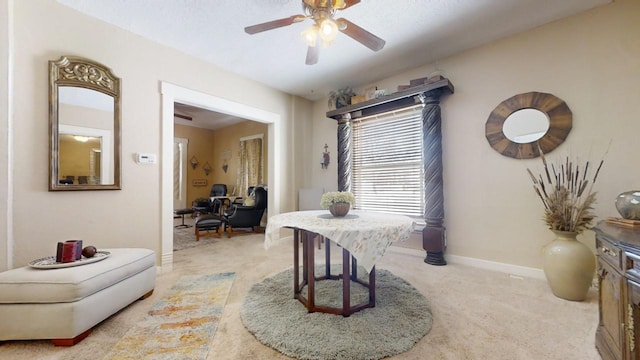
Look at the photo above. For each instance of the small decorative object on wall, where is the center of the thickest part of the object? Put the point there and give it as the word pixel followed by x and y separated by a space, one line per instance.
pixel 338 202
pixel 207 168
pixel 566 190
pixel 340 98
pixel 199 182
pixel 324 161
pixel 226 156
pixel 194 162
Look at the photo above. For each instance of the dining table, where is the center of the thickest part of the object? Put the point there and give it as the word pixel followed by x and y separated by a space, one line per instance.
pixel 364 237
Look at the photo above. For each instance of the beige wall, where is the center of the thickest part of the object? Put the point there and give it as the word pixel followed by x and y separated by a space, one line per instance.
pixel 45 30
pixel 201 145
pixel 591 61
pixel 6 211
pixel 227 140
pixel 209 145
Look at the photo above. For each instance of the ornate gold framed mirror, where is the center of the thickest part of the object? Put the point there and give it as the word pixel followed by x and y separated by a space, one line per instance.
pixel 519 124
pixel 84 126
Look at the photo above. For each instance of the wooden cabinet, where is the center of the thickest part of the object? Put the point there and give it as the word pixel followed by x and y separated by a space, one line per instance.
pixel 609 333
pixel 618 253
pixel 631 326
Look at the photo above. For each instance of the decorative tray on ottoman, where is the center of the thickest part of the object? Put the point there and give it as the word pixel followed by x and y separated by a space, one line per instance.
pixel 50 262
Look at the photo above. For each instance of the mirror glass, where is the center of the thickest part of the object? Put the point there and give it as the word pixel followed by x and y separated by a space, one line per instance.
pixel 85 136
pixel 525 126
pixel 85 124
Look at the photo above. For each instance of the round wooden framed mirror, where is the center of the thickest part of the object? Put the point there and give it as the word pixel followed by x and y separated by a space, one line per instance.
pixel 519 124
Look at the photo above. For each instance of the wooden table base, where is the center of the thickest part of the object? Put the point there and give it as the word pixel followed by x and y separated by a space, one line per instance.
pixel 309 278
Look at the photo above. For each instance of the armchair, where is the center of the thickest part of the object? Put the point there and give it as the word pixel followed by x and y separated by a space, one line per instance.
pixel 217 190
pixel 202 206
pixel 242 216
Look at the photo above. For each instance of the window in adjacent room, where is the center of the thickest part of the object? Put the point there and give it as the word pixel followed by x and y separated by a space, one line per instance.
pixel 250 162
pixel 387 172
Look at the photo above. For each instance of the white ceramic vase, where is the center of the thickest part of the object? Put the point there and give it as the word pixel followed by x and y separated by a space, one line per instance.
pixel 569 266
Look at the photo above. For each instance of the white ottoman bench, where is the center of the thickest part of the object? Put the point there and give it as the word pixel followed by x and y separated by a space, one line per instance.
pixel 64 304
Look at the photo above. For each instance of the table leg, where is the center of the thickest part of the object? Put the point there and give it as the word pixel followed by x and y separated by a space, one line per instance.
pixel 372 286
pixel 354 269
pixel 310 262
pixel 296 262
pixel 346 284
pixel 327 268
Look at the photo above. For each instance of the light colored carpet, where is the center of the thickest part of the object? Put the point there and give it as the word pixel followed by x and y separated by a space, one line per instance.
pixel 477 314
pixel 182 324
pixel 400 318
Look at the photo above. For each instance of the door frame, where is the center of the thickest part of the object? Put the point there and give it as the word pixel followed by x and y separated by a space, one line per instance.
pixel 181 203
pixel 171 93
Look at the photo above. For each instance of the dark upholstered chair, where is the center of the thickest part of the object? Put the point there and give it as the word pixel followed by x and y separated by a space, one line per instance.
pixel 242 216
pixel 211 207
pixel 218 190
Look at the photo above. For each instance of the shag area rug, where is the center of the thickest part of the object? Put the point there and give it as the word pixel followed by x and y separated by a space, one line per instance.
pixel 181 325
pixel 401 317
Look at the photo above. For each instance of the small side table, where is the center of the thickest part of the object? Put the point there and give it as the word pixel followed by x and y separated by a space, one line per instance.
pixel 182 213
pixel 363 236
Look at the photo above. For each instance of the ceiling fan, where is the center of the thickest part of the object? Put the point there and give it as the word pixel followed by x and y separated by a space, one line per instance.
pixel 325 27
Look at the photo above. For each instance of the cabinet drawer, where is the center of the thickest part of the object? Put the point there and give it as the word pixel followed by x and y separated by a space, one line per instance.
pixel 632 266
pixel 609 253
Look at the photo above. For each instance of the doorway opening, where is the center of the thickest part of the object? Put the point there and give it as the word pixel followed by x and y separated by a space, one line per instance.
pixel 171 94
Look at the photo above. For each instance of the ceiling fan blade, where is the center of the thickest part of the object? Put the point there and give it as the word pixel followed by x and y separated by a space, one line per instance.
pixel 274 24
pixel 313 53
pixel 359 34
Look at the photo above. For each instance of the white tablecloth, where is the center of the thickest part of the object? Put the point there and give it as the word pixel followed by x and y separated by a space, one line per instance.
pixel 366 235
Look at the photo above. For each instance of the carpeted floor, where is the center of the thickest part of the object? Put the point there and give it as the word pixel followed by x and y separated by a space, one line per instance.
pixel 477 314
pixel 400 318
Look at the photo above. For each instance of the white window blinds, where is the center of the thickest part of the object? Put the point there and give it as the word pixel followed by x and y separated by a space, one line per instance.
pixel 387 172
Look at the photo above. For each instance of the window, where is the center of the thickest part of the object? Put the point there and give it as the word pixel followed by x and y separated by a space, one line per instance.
pixel 387 172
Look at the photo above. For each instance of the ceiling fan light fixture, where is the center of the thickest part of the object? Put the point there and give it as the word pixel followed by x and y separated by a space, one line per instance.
pixel 310 35
pixel 328 30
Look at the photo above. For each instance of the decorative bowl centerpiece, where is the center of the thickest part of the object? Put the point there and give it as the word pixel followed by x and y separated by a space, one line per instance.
pixel 338 202
pixel 628 204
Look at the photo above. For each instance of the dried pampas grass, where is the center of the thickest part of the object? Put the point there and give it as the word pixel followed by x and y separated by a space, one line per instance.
pixel 566 191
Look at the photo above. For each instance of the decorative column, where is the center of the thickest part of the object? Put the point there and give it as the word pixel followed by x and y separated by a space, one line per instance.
pixel 344 152
pixel 433 235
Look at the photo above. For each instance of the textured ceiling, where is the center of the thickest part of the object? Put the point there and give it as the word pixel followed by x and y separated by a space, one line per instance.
pixel 417 32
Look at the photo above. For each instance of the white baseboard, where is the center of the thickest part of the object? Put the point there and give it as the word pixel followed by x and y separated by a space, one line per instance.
pixel 510 269
pixel 166 264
